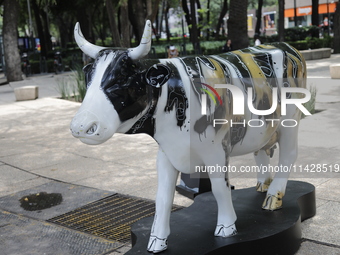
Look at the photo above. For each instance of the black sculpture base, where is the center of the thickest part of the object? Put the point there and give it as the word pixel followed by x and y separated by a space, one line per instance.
pixel 259 231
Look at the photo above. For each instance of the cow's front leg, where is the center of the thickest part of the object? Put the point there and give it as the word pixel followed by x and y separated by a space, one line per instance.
pixel 221 189
pixel 167 177
pixel 226 216
pixel 263 176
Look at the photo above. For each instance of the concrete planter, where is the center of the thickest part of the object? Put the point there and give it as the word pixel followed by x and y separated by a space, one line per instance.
pixel 335 71
pixel 316 53
pixel 26 93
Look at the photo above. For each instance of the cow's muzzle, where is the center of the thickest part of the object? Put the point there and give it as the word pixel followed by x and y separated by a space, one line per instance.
pixel 86 127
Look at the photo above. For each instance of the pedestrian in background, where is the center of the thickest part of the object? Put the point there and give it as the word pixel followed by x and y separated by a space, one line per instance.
pixel 227 46
pixel 257 40
pixel 172 52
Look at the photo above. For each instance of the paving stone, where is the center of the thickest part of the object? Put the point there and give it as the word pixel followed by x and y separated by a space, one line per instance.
pixel 25 236
pixel 325 225
pixel 73 196
pixel 329 190
pixel 308 248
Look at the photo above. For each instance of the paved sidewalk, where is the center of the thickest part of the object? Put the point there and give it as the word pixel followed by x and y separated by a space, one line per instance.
pixel 39 152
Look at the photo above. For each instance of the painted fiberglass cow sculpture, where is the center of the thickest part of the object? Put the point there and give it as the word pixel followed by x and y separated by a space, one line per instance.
pixel 164 98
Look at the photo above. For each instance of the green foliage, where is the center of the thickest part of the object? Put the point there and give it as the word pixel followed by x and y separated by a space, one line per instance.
pixel 207 47
pixel 300 38
pixel 73 87
pixel 300 45
pixel 37 66
pixel 300 33
pixel 63 89
pixel 212 47
pixel 72 57
pixel 293 34
pixel 328 41
pixel 313 43
pixel 269 3
pixel 79 76
pixel 269 39
pixel 266 3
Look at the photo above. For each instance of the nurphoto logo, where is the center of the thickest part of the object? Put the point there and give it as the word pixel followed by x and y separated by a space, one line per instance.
pixel 239 99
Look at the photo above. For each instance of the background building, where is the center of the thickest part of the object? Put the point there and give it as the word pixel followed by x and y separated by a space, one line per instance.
pixel 303 14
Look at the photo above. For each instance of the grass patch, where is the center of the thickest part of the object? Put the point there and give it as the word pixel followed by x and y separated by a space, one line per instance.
pixel 73 87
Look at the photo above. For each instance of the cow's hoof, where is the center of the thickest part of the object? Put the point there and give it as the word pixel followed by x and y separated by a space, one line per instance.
pixel 273 202
pixel 223 231
pixel 157 245
pixel 263 186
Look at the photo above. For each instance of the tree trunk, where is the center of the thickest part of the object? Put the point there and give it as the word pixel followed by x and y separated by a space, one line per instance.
pixel 160 28
pixel 125 26
pixel 208 20
pixel 100 13
pixel 112 14
pixel 315 17
pixel 336 21
pixel 148 8
pixel 10 37
pixel 64 37
pixel 295 15
pixel 259 17
pixel 200 17
pixel 187 14
pixel 281 21
pixel 194 32
pixel 137 18
pixel 40 29
pixel 152 10
pixel 220 19
pixel 166 17
pixel 46 30
pixel 83 19
pixel 237 24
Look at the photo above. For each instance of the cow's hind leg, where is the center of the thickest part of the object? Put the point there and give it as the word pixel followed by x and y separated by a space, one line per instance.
pixel 167 176
pixel 263 176
pixel 226 216
pixel 287 156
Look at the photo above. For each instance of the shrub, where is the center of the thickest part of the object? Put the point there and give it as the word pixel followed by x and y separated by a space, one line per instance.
pixel 299 45
pixel 314 43
pixel 328 41
pixel 300 33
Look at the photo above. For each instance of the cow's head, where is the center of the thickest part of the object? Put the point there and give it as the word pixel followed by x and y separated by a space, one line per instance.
pixel 118 89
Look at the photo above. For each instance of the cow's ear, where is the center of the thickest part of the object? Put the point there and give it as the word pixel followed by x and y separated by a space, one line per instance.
pixel 158 75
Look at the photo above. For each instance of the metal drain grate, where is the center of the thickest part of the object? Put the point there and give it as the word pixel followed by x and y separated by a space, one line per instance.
pixel 110 217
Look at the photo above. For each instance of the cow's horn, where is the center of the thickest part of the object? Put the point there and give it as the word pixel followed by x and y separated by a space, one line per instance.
pixel 145 44
pixel 86 47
